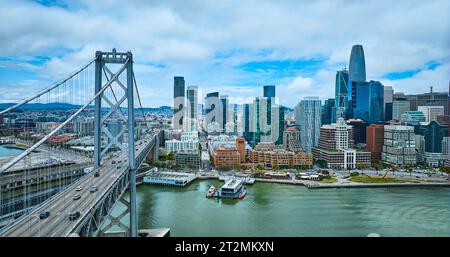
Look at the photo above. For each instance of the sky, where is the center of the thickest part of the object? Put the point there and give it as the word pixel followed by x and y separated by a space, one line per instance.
pixel 234 47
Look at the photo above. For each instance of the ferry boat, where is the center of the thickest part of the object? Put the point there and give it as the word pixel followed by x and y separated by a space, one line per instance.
pixel 211 192
pixel 233 188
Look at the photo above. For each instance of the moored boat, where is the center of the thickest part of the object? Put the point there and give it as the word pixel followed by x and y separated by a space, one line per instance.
pixel 211 192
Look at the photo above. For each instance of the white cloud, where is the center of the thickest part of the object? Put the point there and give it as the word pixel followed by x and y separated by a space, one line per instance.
pixel 185 38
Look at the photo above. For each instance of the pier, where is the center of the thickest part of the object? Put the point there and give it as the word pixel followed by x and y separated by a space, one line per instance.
pixel 169 178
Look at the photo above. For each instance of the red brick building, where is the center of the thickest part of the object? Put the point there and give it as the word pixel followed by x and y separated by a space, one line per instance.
pixel 374 140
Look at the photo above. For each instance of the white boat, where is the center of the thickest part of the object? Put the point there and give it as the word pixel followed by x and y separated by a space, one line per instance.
pixel 211 192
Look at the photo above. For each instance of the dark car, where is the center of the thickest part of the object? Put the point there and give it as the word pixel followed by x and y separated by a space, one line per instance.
pixel 44 215
pixel 73 215
pixel 97 174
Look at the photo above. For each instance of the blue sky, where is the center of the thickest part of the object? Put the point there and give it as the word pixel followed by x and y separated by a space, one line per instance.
pixel 234 47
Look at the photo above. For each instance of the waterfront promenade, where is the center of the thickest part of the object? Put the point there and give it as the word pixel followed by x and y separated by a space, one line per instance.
pixel 345 184
pixel 340 182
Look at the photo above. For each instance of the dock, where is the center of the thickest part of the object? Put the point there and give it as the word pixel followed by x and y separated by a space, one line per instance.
pixel 169 178
pixel 245 180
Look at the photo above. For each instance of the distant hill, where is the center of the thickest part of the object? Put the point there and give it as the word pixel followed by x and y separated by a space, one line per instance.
pixel 163 108
pixel 41 106
pixel 67 106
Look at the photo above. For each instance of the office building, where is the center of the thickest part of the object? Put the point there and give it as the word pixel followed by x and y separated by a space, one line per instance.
pixel 374 140
pixel 434 99
pixel 278 112
pixel 291 140
pixel 399 145
pixel 434 133
pixel 281 158
pixel 191 116
pixel 188 158
pixel 267 121
pixel 388 111
pixel 247 124
pixel 213 113
pixel 431 112
pixel 387 103
pixel 83 126
pixel 357 66
pixel 225 105
pixel 341 95
pixel 309 120
pixel 189 142
pixel 399 107
pixel 359 130
pixel 178 102
pixel 269 91
pixel 366 101
pixel 327 111
pixel 226 158
pixel 240 146
pixel 336 147
pixel 433 136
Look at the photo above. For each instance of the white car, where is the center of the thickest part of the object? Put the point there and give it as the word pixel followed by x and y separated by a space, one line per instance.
pixel 79 188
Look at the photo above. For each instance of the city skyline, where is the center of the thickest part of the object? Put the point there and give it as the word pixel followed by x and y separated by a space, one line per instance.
pixel 298 60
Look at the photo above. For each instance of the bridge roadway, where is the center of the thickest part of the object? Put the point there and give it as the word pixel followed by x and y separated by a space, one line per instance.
pixel 61 204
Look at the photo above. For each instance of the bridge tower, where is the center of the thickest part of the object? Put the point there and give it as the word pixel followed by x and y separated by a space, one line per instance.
pixel 125 122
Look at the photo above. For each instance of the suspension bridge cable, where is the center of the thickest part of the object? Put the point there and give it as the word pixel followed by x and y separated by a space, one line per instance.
pixel 62 125
pixel 139 99
pixel 26 100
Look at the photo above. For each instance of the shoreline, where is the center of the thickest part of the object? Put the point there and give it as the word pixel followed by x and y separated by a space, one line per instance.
pixel 316 185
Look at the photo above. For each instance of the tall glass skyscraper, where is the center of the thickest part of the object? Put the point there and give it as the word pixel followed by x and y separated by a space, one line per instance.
pixel 366 100
pixel 225 102
pixel 269 91
pixel 213 110
pixel 309 121
pixel 357 66
pixel 341 94
pixel 249 124
pixel 327 109
pixel 178 102
pixel 192 109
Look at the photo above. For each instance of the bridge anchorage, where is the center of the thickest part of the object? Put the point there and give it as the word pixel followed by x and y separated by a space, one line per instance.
pixel 120 147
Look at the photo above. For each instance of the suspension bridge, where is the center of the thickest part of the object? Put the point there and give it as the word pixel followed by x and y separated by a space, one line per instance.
pixel 52 189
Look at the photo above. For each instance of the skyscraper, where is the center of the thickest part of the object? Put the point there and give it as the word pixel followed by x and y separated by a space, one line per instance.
pixel 269 91
pixel 341 92
pixel 225 103
pixel 212 109
pixel 357 66
pixel 247 124
pixel 327 110
pixel 309 121
pixel 387 103
pixel 399 107
pixel 178 102
pixel 192 109
pixel 366 101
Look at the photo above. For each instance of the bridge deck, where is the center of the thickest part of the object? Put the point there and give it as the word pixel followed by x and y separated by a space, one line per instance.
pixel 61 204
